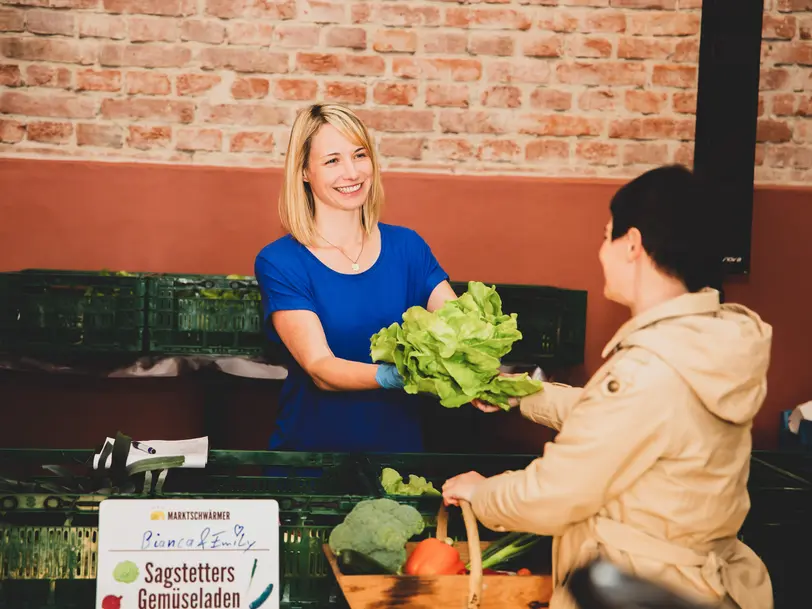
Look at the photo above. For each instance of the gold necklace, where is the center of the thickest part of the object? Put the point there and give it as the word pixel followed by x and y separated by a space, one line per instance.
pixel 355 265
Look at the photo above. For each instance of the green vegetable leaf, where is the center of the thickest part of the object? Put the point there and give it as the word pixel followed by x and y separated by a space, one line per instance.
pixel 455 352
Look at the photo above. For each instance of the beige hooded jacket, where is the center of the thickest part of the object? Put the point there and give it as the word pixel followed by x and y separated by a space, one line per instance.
pixel 651 464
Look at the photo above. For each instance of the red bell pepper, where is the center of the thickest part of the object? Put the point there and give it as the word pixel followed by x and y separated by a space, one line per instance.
pixel 434 557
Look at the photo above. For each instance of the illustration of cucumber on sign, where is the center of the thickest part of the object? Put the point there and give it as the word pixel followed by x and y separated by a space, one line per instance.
pixel 188 554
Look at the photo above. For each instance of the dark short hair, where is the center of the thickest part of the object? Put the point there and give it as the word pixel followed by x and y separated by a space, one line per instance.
pixel 669 206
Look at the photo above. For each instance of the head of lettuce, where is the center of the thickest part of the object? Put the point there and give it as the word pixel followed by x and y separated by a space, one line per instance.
pixel 455 352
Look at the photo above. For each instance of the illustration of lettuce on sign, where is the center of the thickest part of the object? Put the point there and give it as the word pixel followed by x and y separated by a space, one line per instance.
pixel 455 352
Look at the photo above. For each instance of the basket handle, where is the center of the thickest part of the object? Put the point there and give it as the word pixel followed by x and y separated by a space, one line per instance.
pixel 474 549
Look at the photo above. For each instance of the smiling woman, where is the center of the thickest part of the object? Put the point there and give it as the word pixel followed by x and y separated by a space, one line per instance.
pixel 337 278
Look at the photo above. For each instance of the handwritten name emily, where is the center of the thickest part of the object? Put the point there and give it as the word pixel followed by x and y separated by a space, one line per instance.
pixel 208 540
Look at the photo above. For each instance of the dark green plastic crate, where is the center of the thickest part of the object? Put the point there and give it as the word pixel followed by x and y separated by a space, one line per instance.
pixel 204 315
pixel 551 320
pixel 55 311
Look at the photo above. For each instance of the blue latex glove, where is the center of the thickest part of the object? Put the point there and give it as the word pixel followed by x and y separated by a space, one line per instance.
pixel 388 377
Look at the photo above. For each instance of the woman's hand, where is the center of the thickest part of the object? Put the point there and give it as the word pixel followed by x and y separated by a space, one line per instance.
pixel 388 377
pixel 486 407
pixel 461 487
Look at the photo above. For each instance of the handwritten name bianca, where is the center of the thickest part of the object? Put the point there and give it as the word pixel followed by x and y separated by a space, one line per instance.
pixel 209 539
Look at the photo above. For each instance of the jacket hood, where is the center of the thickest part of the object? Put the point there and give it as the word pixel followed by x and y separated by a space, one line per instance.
pixel 721 351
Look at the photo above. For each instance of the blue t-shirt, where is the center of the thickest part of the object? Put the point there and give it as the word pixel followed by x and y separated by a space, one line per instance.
pixel 351 308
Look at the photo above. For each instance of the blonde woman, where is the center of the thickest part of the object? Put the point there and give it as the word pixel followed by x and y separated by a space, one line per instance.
pixel 335 279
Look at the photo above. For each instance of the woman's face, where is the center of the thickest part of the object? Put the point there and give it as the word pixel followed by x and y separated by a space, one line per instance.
pixel 617 268
pixel 339 171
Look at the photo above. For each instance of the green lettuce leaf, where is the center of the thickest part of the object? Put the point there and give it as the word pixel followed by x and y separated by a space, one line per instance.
pixel 455 352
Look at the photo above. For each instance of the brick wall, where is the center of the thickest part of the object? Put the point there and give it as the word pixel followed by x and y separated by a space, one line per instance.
pixel 550 87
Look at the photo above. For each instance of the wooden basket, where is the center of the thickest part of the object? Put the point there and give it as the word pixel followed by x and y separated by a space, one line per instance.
pixel 474 591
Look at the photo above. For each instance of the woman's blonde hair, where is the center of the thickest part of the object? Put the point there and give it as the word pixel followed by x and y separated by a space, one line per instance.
pixel 297 208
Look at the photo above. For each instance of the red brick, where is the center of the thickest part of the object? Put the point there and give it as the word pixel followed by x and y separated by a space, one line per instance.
pixel 689 4
pixel 536 71
pixel 605 73
pixel 452 43
pixel 80 4
pixel 598 153
pixel 243 60
pixel 191 139
pixel 153 29
pixel 613 22
pixel 491 44
pixel 318 63
pixel 646 102
pixel 103 136
pixel 773 131
pixel 50 22
pixel 789 156
pixel 402 147
pixel 773 79
pixel 645 48
pixel 805 106
pixel 544 46
pixel 250 88
pixel 684 102
pixel 784 104
pixel 98 80
pixel 50 105
pixel 362 65
pixel 668 5
pixel 498 151
pixel 10 75
pixel 296 36
pixel 295 89
pixel 451 149
pixel 11 132
pixel 195 84
pixel 395 41
pixel 251 141
pixel 398 121
pixel 589 47
pixel 266 115
pixel 145 138
pixel 200 30
pixel 360 12
pixel 147 83
pixel 250 9
pixel 664 24
pixel 684 155
pixel 491 18
pixel 145 55
pixel 551 99
pixel 447 95
pixel 599 100
pixel 347 37
pixel 645 153
pixel 805 28
pixel 652 128
pixel 321 11
pixel 169 8
pixel 761 154
pixel 408 15
pixel 686 51
pixel 547 150
pixel 102 26
pixel 559 21
pixel 791 53
pixel 251 33
pixel 39 75
pixel 560 125
pixel 778 27
pixel 680 77
pixel 176 111
pixel 394 94
pixel 502 96
pixel 12 20
pixel 761 106
pixel 794 5
pixel 58 50
pixel 437 69
pixel 346 92
pixel 50 132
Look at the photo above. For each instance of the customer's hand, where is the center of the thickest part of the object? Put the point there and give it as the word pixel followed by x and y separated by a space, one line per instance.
pixel 462 488
pixel 486 407
pixel 388 377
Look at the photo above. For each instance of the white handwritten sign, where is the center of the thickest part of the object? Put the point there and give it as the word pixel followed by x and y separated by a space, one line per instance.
pixel 188 554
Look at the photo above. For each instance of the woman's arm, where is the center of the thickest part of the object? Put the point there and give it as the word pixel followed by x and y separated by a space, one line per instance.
pixel 303 335
pixel 440 295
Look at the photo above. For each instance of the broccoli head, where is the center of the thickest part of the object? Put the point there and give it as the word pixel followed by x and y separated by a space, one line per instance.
pixel 378 528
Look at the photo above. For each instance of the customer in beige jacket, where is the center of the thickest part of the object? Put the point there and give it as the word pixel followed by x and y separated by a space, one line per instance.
pixel 650 465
